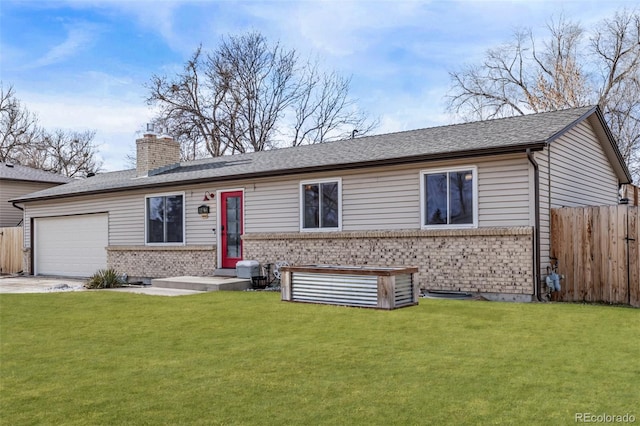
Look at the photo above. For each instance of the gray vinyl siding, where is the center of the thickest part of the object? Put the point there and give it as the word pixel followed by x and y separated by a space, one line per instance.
pixel 545 213
pixel 9 189
pixel 384 198
pixel 126 221
pixel 127 214
pixel 392 200
pixel 199 231
pixel 504 192
pixel 272 206
pixel 389 198
pixel 580 175
pixel 381 200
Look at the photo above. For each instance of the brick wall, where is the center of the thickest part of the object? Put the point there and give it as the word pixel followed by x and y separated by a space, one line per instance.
pixel 153 152
pixel 26 261
pixel 485 260
pixel 160 262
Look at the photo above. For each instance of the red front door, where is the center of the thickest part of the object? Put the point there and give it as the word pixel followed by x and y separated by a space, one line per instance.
pixel 231 219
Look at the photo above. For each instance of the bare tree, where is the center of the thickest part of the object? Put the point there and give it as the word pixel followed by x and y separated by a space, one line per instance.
pixel 616 46
pixel 259 84
pixel 70 153
pixel 187 108
pixel 323 108
pixel 572 68
pixel 249 95
pixel 24 142
pixel 18 126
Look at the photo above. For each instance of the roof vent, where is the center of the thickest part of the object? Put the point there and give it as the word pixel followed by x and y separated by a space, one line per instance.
pixel 90 174
pixel 9 165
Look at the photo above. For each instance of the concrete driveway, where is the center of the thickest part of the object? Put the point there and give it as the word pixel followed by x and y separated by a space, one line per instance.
pixel 30 284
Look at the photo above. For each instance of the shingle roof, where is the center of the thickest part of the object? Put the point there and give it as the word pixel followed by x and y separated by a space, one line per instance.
pixel 483 137
pixel 17 172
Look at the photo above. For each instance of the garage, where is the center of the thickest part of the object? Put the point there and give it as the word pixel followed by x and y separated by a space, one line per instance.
pixel 71 246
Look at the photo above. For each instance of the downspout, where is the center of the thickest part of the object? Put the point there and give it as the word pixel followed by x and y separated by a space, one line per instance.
pixel 549 194
pixel 19 208
pixel 536 243
pixel 629 239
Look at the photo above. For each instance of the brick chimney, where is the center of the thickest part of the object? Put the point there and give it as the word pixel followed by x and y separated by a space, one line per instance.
pixel 153 152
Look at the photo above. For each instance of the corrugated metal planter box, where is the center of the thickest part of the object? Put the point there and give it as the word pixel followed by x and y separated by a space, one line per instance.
pixel 362 286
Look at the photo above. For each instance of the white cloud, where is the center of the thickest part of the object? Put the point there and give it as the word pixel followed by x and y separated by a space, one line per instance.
pixel 157 16
pixel 398 52
pixel 79 37
pixel 408 111
pixel 336 29
pixel 117 122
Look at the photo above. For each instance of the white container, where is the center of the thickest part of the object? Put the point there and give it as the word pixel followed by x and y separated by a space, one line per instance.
pixel 247 269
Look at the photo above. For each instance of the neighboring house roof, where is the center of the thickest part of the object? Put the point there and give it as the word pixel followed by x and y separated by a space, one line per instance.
pixel 505 135
pixel 11 171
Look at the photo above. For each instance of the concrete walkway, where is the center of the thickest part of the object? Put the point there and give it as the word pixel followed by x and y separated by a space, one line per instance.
pixel 30 284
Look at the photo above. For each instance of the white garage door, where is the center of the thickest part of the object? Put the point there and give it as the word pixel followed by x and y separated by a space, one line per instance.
pixel 71 246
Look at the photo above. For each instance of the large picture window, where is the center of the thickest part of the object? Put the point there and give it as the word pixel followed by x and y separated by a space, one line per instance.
pixel 321 204
pixel 165 219
pixel 449 198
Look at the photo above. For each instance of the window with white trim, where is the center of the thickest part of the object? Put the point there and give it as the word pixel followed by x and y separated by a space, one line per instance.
pixel 321 205
pixel 449 198
pixel 164 215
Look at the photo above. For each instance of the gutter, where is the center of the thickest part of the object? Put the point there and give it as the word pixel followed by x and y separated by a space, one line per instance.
pixel 14 204
pixel 535 146
pixel 537 290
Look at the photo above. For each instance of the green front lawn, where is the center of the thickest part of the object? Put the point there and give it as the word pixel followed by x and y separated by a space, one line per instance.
pixel 107 358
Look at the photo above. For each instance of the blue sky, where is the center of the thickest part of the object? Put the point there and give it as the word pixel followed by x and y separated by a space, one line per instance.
pixel 82 64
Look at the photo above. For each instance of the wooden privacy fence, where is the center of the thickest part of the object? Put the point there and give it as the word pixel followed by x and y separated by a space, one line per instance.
pixel 597 252
pixel 10 250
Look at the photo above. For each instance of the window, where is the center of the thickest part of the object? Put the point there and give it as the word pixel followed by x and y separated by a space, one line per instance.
pixel 321 205
pixel 449 198
pixel 165 219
